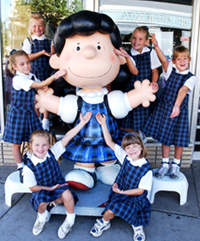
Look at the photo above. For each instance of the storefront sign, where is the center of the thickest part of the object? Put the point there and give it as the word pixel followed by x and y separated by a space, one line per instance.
pixel 159 19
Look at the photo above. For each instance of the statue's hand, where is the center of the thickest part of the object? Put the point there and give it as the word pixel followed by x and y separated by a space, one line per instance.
pixel 42 99
pixel 145 92
pixel 141 94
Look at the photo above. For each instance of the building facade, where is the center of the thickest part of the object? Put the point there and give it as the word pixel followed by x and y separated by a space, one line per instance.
pixel 174 22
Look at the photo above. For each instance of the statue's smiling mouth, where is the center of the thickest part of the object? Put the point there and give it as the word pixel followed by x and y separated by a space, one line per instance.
pixel 90 77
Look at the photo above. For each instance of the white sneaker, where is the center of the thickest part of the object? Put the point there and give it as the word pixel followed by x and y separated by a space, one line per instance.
pixel 99 227
pixel 174 171
pixel 139 235
pixel 64 230
pixel 161 172
pixel 38 226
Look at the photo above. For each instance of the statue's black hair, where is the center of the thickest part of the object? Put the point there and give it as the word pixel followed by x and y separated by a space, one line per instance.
pixel 86 23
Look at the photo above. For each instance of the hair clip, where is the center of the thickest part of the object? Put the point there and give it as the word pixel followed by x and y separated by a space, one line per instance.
pixel 12 51
pixel 132 133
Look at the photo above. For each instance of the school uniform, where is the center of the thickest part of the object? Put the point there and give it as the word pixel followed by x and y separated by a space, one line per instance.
pixel 133 174
pixel 89 146
pixel 45 172
pixel 145 62
pixel 22 119
pixel 171 131
pixel 40 66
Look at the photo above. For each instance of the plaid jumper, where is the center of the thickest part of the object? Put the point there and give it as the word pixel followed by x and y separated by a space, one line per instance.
pixel 137 117
pixel 170 131
pixel 89 146
pixel 133 209
pixel 40 66
pixel 22 119
pixel 48 174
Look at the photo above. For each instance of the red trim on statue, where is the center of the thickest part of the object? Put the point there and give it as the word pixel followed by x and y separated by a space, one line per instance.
pixel 78 185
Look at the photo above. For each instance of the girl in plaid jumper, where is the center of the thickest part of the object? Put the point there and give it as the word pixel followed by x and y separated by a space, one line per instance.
pixel 168 123
pixel 128 196
pixel 44 178
pixel 22 119
pixel 39 48
pixel 147 62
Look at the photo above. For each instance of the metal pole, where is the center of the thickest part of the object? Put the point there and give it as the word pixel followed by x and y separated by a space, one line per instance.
pixel 1 82
pixel 195 63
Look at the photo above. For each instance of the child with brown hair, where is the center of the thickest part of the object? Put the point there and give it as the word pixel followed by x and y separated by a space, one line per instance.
pixel 128 196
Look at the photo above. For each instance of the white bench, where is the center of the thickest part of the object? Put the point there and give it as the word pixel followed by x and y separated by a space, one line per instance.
pixel 13 185
pixel 179 185
pixel 89 203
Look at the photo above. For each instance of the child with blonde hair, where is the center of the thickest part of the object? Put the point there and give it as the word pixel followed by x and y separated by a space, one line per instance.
pixel 22 119
pixel 168 123
pixel 146 62
pixel 39 48
pixel 43 176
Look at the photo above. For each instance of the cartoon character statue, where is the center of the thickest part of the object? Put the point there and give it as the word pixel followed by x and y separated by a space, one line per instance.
pixel 85 45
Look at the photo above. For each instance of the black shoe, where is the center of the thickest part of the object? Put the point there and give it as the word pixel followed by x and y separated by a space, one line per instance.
pixel 20 174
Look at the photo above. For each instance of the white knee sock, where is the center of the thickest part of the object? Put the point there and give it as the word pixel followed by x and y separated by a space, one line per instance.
pixel 70 219
pixel 165 162
pixel 176 162
pixel 137 229
pixel 43 216
pixel 45 124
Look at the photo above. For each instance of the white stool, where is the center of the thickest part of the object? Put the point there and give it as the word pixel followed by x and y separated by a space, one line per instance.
pixel 167 184
pixel 13 185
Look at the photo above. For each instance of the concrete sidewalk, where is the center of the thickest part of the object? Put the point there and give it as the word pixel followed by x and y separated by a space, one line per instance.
pixel 169 220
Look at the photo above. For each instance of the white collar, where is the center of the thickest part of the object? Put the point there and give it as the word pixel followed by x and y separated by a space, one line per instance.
pixel 26 75
pixel 93 97
pixel 139 162
pixel 35 160
pixel 38 38
pixel 134 52
pixel 182 72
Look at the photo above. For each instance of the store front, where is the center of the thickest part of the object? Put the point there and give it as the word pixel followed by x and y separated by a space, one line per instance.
pixel 174 22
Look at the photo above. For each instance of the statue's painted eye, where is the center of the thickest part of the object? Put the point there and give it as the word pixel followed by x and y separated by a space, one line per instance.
pixel 98 47
pixel 78 48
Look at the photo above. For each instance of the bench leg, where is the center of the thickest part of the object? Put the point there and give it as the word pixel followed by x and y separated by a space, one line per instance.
pixel 8 195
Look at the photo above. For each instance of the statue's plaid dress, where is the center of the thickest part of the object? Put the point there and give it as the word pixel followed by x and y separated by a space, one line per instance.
pixel 133 209
pixel 89 146
pixel 47 173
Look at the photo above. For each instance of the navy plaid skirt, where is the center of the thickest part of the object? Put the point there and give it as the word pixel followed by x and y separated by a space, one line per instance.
pixel 47 197
pixel 135 119
pixel 20 124
pixel 133 209
pixel 168 131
